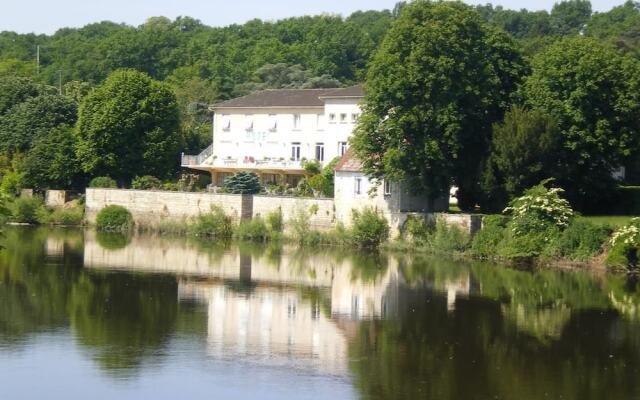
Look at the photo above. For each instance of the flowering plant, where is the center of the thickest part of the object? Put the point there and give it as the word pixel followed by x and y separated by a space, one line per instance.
pixel 539 209
pixel 628 235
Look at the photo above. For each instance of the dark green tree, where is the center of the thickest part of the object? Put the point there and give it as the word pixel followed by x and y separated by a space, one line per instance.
pixel 14 90
pixel 440 79
pixel 242 183
pixel 33 119
pixel 51 163
pixel 593 92
pixel 524 151
pixel 570 16
pixel 129 126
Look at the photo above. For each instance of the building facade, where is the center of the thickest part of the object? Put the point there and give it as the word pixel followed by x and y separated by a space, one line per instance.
pixel 274 132
pixel 355 191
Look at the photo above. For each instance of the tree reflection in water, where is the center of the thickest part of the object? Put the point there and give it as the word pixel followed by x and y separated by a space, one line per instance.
pixel 400 327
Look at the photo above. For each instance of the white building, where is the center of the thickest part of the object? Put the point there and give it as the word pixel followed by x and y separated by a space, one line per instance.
pixel 355 191
pixel 273 132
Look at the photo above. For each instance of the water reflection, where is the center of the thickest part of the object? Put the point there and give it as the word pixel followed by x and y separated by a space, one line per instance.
pixel 393 326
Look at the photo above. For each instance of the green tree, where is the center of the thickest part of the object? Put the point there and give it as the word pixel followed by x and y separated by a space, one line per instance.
pixel 242 183
pixel 52 163
pixel 594 93
pixel 570 16
pixel 440 79
pixel 15 90
pixel 524 151
pixel 129 126
pixel 33 119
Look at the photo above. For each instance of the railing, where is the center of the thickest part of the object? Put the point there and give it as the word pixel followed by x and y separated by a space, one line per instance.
pixel 199 159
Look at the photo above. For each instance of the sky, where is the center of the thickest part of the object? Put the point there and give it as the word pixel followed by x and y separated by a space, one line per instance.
pixel 46 16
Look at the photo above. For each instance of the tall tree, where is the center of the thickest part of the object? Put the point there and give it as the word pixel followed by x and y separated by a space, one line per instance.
pixel 33 119
pixel 52 162
pixel 593 92
pixel 440 79
pixel 570 16
pixel 128 127
pixel 14 90
pixel 524 151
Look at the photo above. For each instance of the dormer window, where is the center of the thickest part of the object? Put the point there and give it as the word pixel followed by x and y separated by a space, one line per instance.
pixel 248 122
pixel 226 123
pixel 273 123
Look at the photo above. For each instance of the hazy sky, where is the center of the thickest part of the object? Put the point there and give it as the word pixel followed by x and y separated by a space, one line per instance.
pixel 46 16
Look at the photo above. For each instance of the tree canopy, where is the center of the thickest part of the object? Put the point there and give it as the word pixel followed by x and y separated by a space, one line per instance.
pixel 594 94
pixel 33 119
pixel 440 79
pixel 129 127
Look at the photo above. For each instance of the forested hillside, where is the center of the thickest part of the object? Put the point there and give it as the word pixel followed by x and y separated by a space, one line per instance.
pixel 203 64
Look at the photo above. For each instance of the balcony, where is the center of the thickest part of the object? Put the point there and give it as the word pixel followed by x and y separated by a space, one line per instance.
pixel 207 161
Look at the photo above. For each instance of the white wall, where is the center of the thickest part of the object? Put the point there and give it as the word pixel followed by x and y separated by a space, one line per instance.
pixel 262 141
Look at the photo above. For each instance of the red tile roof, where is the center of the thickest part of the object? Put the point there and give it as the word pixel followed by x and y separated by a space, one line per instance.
pixel 349 163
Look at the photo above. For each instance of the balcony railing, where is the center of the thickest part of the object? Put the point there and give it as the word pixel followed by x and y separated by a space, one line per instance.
pixel 200 159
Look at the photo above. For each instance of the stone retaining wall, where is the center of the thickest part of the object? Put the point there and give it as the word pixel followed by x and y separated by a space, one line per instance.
pixel 150 207
pixel 322 214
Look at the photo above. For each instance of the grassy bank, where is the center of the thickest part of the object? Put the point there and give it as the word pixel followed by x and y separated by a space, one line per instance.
pixel 31 210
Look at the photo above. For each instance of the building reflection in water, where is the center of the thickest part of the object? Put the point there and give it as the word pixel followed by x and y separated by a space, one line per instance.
pixel 289 308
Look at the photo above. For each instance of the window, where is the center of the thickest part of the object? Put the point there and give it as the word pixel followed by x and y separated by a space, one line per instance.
pixel 387 188
pixel 343 118
pixel 273 123
pixel 296 121
pixel 342 148
pixel 358 186
pixel 320 151
pixel 332 118
pixel 226 122
pixel 354 117
pixel 295 151
pixel 248 122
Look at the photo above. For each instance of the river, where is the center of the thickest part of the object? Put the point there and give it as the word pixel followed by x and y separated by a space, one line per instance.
pixel 103 316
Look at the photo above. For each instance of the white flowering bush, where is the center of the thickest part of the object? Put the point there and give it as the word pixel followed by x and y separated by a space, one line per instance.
pixel 625 245
pixel 539 209
pixel 628 235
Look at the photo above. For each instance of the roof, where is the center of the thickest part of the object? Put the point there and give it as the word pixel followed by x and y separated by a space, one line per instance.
pixel 349 163
pixel 278 98
pixel 290 97
pixel 352 91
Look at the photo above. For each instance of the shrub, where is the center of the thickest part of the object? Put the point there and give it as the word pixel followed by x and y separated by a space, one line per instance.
pixel 417 229
pixel 215 224
pixel 449 238
pixel 538 209
pixel 485 242
pixel 369 229
pixel 146 182
pixel 66 216
pixel 299 225
pixel 28 210
pixel 254 229
pixel 581 240
pixel 625 246
pixel 242 183
pixel 312 167
pixel 275 222
pixel 527 246
pixel 103 182
pixel 114 219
